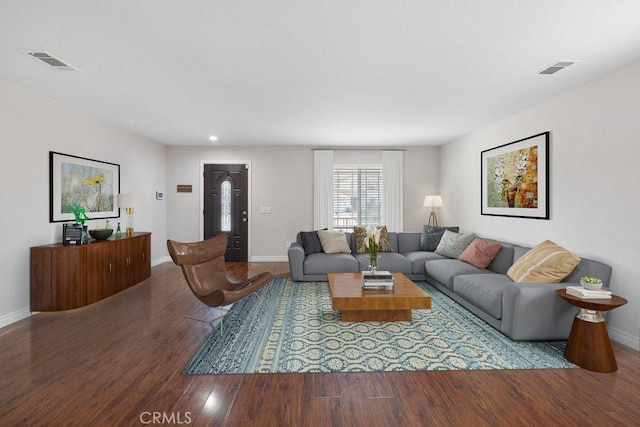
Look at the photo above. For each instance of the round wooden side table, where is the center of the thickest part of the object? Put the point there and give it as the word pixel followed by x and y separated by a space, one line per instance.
pixel 588 345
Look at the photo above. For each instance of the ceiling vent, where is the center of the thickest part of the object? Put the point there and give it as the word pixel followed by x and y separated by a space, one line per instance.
pixel 552 69
pixel 50 60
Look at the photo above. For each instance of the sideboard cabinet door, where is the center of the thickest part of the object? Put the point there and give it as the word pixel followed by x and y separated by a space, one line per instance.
pixel 101 271
pixel 58 277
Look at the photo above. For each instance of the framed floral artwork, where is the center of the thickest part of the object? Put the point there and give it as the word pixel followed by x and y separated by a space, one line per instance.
pixel 515 178
pixel 87 183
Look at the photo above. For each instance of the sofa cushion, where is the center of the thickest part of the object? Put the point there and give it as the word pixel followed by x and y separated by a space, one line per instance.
pixel 323 263
pixel 480 252
pixel 453 244
pixel 310 242
pixel 408 241
pixel 360 236
pixel 444 270
pixel 482 290
pixel 546 262
pixel 504 259
pixel 333 242
pixel 430 237
pixel 418 258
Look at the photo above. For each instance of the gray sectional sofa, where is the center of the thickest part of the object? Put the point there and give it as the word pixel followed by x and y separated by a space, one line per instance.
pixel 522 311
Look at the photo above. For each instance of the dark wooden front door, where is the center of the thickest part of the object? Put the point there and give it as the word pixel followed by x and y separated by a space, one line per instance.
pixel 226 207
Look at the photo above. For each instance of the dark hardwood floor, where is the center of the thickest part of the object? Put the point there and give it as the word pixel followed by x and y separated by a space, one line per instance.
pixel 118 363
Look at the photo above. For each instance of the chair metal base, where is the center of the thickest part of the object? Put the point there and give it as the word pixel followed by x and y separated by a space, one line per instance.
pixel 223 312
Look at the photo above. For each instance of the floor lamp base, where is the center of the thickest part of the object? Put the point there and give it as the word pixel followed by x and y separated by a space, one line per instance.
pixel 433 220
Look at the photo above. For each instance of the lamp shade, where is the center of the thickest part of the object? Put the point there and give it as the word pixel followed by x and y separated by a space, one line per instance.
pixel 126 200
pixel 432 201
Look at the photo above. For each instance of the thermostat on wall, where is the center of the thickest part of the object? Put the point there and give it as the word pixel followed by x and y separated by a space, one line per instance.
pixel 159 195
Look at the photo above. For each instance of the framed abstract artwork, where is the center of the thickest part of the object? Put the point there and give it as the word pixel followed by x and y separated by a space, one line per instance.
pixel 90 184
pixel 515 178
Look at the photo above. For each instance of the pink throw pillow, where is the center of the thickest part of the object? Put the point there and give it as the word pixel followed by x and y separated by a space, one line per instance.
pixel 480 253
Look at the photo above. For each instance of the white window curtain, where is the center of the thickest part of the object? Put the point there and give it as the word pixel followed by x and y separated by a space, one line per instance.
pixel 392 185
pixel 323 189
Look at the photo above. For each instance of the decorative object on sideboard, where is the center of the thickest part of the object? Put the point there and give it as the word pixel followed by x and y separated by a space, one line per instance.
pixel 102 233
pixel 89 183
pixel 127 202
pixel 118 232
pixel 81 217
pixel 433 202
pixel 72 234
pixel 591 283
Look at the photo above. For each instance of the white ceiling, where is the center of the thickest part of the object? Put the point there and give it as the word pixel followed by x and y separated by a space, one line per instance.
pixel 312 72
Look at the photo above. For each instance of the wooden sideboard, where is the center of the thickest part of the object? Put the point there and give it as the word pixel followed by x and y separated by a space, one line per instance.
pixel 68 277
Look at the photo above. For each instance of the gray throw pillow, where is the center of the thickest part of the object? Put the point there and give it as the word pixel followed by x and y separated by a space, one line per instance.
pixel 453 244
pixel 431 236
pixel 310 242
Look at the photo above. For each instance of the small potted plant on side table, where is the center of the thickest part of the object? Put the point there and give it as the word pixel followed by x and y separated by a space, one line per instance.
pixel 591 283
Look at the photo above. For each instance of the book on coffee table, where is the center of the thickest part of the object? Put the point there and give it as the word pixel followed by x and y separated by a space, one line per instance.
pixel 376 275
pixel 377 280
pixel 377 285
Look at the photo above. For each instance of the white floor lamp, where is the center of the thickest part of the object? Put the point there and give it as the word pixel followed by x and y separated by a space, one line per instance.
pixel 432 201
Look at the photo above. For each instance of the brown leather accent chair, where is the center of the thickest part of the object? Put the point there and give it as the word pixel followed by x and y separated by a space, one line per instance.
pixel 203 268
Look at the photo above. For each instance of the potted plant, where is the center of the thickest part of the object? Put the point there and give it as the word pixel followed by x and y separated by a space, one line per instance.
pixel 81 217
pixel 591 283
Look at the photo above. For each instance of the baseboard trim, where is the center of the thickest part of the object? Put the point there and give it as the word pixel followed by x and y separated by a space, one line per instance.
pixel 624 338
pixel 10 318
pixel 282 258
pixel 161 261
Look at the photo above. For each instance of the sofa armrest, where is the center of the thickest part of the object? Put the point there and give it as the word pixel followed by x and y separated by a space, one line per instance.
pixel 533 311
pixel 296 261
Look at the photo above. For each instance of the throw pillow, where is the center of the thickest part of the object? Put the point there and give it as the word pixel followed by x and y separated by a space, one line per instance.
pixel 333 242
pixel 544 263
pixel 431 236
pixel 480 253
pixel 452 244
pixel 360 235
pixel 310 242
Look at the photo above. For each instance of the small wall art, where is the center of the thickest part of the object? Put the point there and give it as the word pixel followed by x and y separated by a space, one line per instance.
pixel 515 178
pixel 91 184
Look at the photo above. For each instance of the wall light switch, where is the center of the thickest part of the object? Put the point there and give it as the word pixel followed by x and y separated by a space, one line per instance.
pixel 265 209
pixel 159 195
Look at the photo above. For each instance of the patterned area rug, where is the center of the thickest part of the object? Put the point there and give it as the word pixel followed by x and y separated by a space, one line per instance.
pixel 290 327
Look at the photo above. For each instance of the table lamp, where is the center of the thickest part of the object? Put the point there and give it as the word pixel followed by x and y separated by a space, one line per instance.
pixel 127 202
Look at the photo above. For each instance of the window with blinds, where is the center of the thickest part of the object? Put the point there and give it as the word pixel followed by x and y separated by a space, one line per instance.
pixel 357 196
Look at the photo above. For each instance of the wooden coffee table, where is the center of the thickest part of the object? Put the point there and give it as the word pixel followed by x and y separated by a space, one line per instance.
pixel 358 305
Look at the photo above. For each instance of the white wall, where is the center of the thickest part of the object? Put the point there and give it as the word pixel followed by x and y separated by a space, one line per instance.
pixel 281 178
pixel 594 176
pixel 30 127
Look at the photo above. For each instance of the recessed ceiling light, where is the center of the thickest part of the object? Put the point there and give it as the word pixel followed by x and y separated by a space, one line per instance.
pixel 213 138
